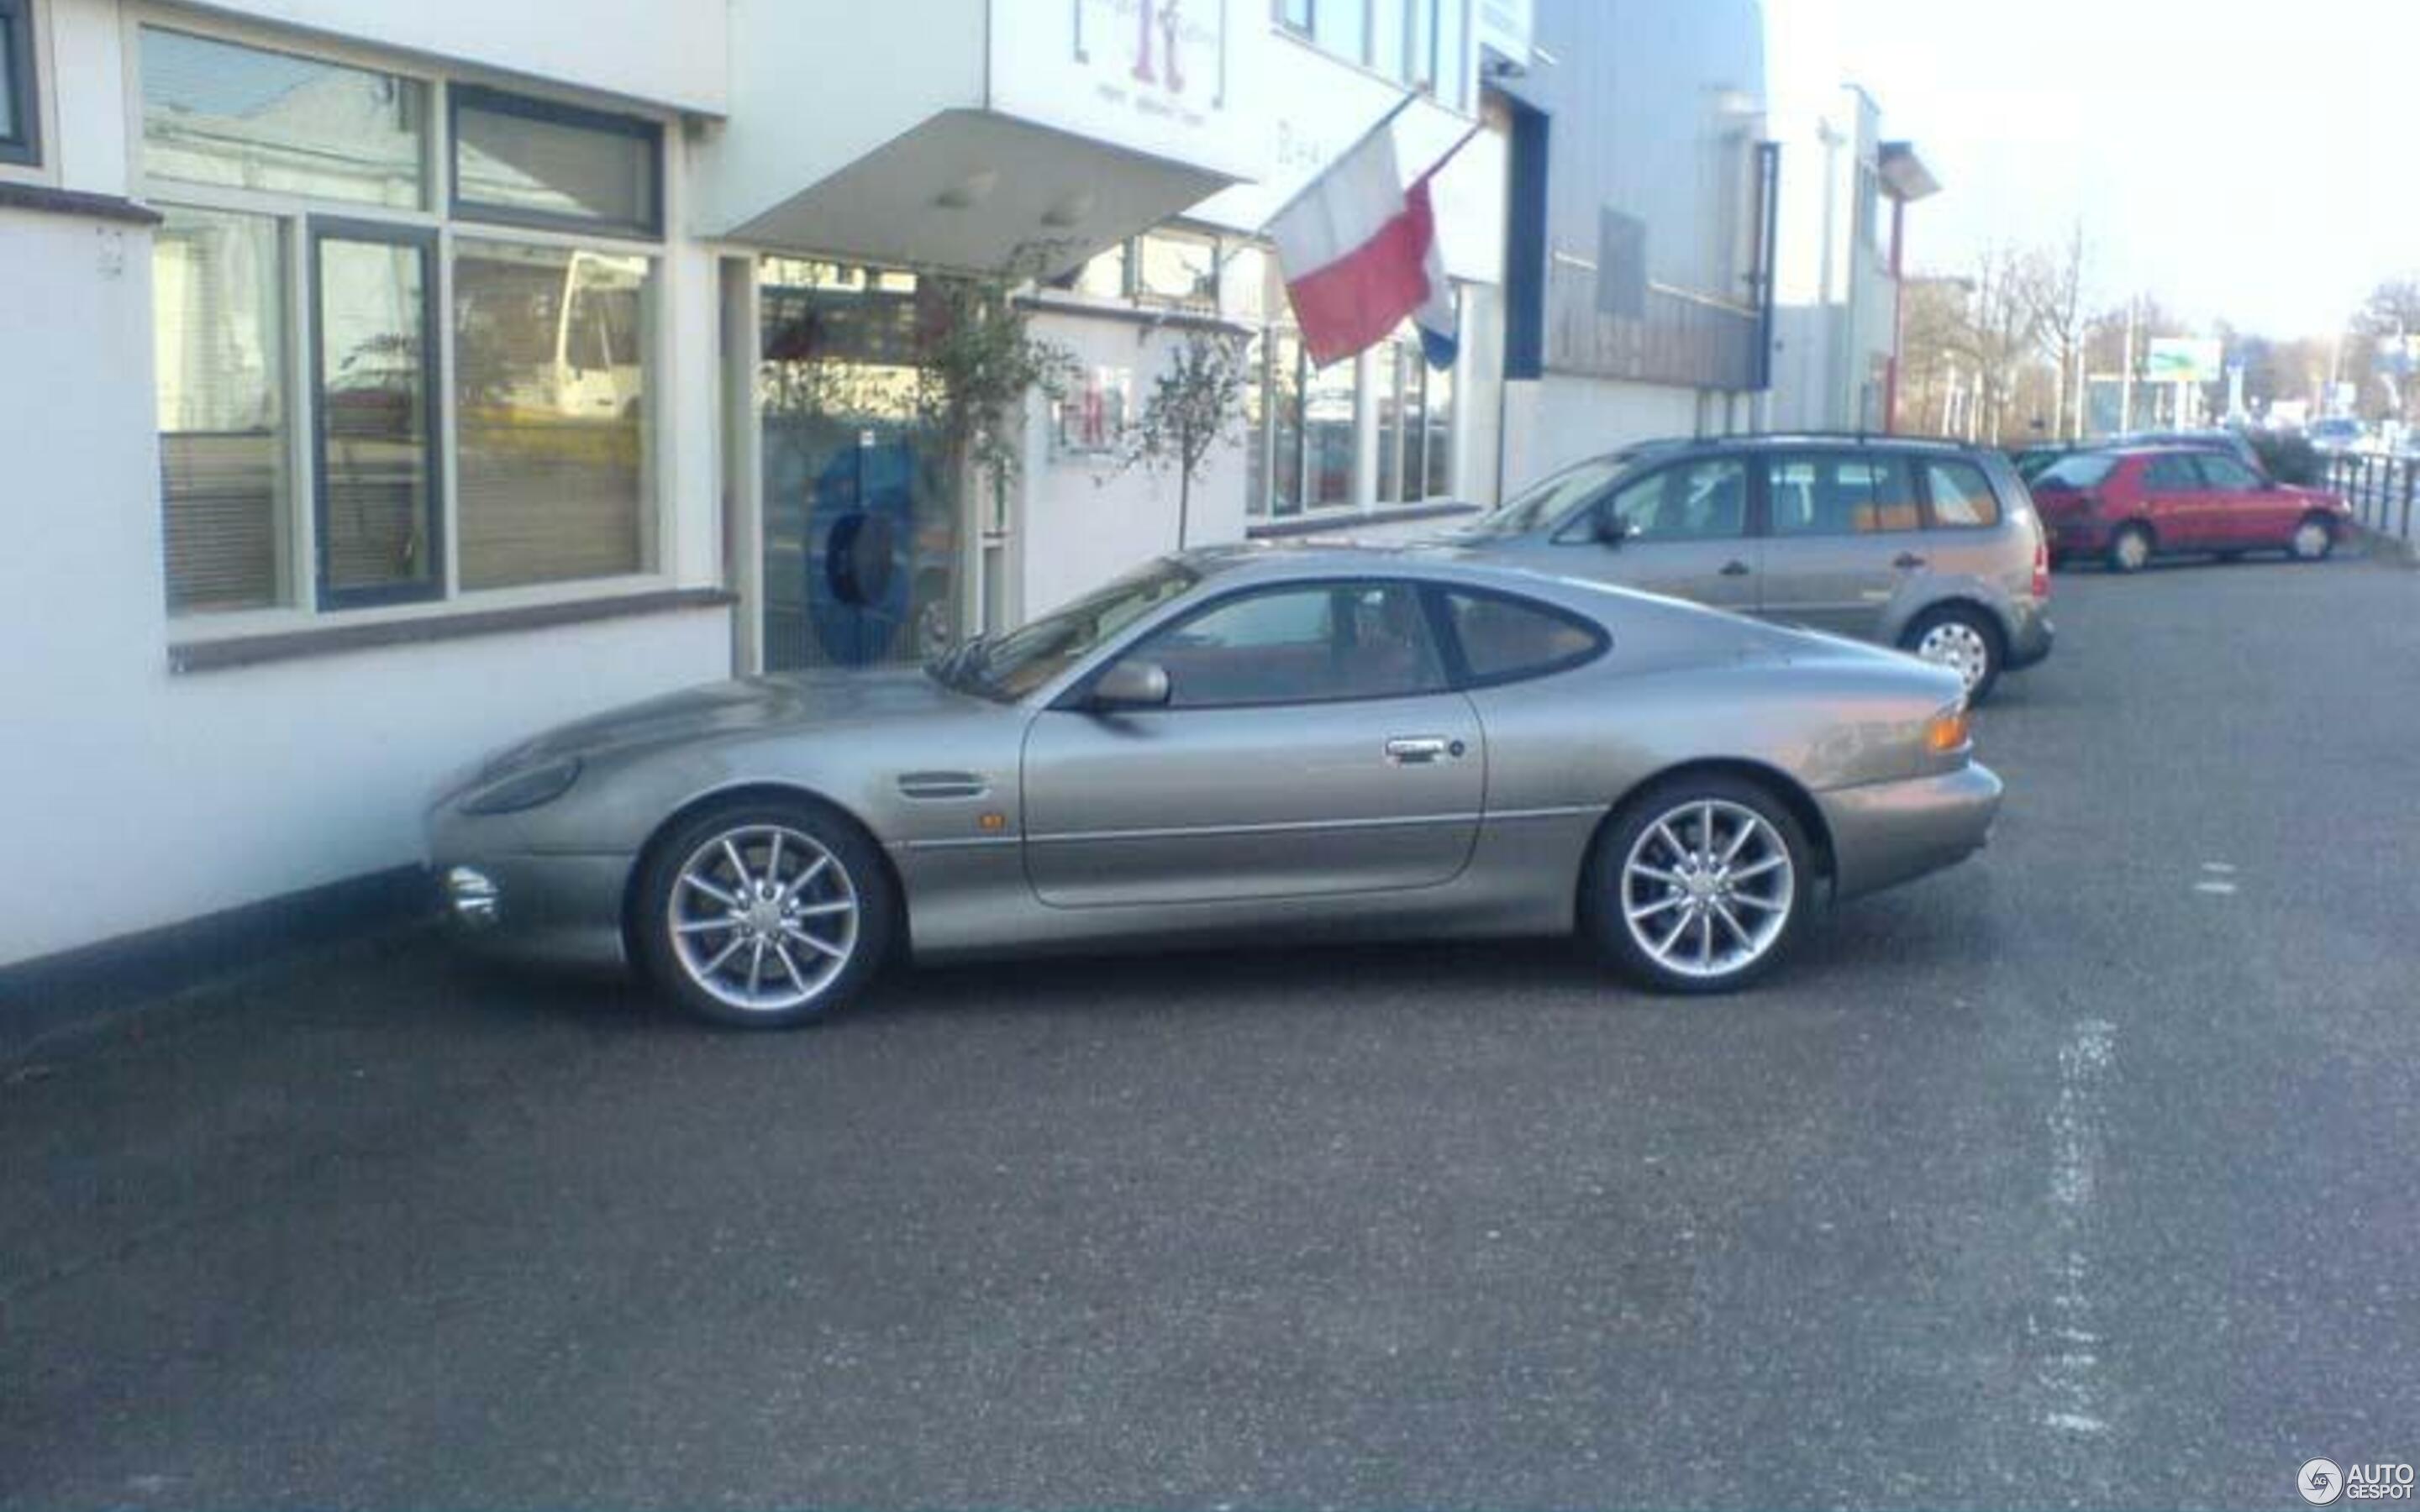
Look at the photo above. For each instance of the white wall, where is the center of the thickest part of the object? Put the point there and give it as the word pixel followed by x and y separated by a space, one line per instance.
pixel 1553 421
pixel 132 797
pixel 1084 520
pixel 663 52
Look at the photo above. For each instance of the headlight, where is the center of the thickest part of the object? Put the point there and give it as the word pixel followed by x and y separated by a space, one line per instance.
pixel 525 790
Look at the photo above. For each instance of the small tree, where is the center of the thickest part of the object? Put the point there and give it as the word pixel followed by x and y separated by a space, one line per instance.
pixel 1195 403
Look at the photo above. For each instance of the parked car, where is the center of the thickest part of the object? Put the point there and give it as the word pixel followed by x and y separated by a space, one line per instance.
pixel 2031 459
pixel 2233 443
pixel 1932 547
pixel 1232 746
pixel 2128 506
pixel 2339 433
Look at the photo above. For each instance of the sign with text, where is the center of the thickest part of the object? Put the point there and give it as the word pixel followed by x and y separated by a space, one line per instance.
pixel 2182 360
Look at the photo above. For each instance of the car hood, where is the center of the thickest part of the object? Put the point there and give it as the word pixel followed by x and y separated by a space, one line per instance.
pixel 746 707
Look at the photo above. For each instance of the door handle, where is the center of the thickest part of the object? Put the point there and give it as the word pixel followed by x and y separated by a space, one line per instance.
pixel 1735 569
pixel 1907 561
pixel 1406 750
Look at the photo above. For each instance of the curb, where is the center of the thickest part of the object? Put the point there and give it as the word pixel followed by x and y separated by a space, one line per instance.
pixel 2398 550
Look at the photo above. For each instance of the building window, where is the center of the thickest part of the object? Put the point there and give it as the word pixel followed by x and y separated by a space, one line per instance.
pixel 20 117
pixel 218 294
pixel 1102 276
pixel 535 163
pixel 1338 27
pixel 1330 407
pixel 1415 427
pixel 313 410
pixel 1435 41
pixel 1178 268
pixel 238 118
pixel 550 405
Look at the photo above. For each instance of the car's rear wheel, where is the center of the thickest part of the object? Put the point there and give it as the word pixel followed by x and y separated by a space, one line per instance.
pixel 763 914
pixel 2130 549
pixel 1962 640
pixel 2313 539
pixel 1699 884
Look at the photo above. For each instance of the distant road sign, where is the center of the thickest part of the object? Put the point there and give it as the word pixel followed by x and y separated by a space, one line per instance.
pixel 2182 360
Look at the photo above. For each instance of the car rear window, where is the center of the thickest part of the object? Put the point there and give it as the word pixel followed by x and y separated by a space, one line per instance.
pixel 2076 472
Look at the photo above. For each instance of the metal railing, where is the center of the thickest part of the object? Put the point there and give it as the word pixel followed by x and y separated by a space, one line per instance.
pixel 2379 488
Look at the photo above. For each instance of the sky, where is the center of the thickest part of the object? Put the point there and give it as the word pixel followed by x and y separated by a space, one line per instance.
pixel 2252 161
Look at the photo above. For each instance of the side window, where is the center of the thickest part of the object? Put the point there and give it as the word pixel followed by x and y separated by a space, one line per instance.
pixel 1839 495
pixel 2225 475
pixel 21 136
pixel 1692 502
pixel 1313 643
pixel 1961 496
pixel 2172 472
pixel 1505 640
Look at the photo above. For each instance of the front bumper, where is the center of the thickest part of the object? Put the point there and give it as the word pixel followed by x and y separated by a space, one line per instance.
pixel 544 910
pixel 1885 833
pixel 2032 641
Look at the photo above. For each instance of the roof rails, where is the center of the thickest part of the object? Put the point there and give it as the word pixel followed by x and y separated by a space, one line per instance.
pixel 1858 438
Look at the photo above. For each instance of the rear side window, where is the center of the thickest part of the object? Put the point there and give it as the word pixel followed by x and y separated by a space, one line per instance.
pixel 1839 495
pixel 2075 472
pixel 2172 472
pixel 1506 640
pixel 1961 496
pixel 2225 474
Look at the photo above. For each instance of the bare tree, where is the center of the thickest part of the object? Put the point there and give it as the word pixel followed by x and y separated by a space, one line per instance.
pixel 1196 403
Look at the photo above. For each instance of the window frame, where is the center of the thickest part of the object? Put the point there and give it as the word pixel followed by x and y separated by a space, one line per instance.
pixel 22 147
pixel 299 611
pixel 2151 484
pixel 1079 693
pixel 1458 660
pixel 495 101
pixel 326 597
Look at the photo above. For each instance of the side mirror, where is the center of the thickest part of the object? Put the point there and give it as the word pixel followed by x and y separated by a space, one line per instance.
pixel 1611 529
pixel 1131 685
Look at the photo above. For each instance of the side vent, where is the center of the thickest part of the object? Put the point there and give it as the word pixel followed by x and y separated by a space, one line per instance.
pixel 942 785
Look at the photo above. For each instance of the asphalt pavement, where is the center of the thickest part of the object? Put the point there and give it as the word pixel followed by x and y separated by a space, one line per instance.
pixel 2082 1175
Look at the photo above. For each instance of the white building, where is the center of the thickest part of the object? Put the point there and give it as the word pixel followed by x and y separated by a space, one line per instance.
pixel 1842 238
pixel 382 383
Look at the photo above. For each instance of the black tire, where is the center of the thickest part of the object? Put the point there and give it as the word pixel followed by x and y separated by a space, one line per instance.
pixel 2117 558
pixel 855 874
pixel 1985 634
pixel 1607 893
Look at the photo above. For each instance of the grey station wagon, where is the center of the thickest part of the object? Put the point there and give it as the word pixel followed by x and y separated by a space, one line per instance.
pixel 1928 546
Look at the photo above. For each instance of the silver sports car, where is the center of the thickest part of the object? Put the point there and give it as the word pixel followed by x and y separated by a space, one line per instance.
pixel 1236 745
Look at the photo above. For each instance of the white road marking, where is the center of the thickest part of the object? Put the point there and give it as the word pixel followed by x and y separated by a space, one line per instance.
pixel 2216 889
pixel 2069 1376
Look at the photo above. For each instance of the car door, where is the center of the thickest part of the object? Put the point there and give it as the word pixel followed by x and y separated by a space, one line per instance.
pixel 2174 501
pixel 2241 508
pixel 1310 745
pixel 1682 530
pixel 1843 533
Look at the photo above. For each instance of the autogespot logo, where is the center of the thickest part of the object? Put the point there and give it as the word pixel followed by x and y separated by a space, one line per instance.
pixel 2321 1482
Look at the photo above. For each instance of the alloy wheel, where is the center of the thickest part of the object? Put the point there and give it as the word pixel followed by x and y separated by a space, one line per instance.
pixel 2311 540
pixel 1707 889
pixel 2133 551
pixel 763 918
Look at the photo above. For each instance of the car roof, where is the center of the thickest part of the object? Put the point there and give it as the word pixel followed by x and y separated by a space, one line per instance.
pixel 1315 557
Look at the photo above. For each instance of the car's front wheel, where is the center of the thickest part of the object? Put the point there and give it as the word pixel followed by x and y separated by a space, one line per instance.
pixel 763 914
pixel 1961 640
pixel 1699 884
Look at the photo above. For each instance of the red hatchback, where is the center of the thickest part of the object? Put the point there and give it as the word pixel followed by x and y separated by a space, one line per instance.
pixel 2128 505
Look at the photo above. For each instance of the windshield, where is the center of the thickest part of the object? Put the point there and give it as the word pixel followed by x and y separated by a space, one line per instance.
pixel 1544 503
pixel 1011 666
pixel 2075 472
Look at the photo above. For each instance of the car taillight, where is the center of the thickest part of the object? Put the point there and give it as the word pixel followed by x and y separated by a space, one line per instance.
pixel 2042 567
